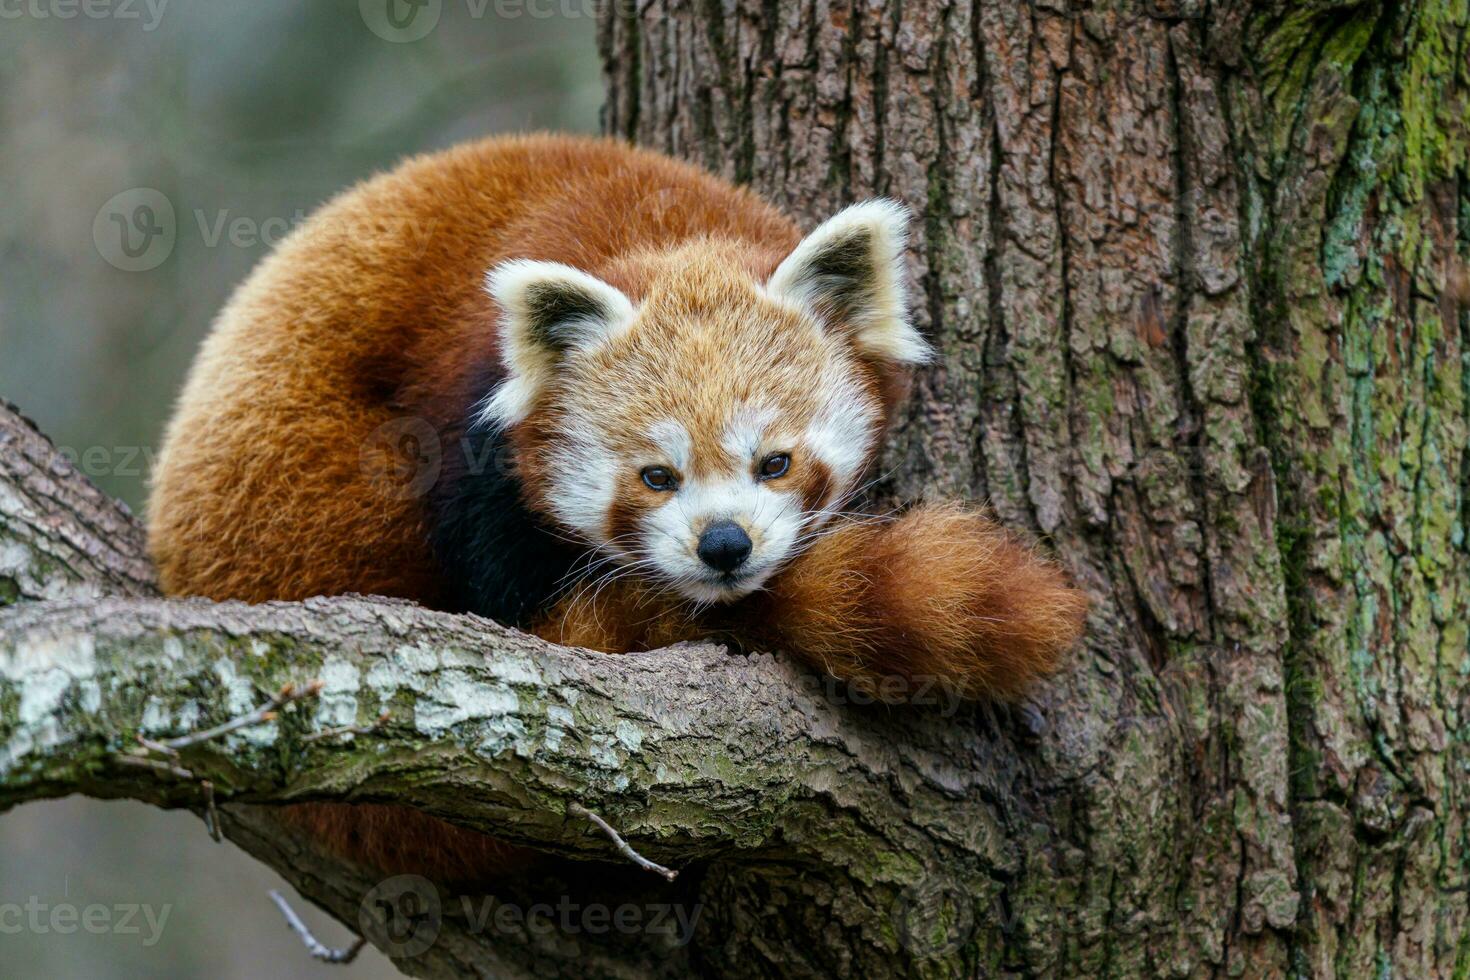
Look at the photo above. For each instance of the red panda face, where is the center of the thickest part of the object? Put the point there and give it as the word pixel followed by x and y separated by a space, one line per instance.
pixel 707 439
pixel 700 437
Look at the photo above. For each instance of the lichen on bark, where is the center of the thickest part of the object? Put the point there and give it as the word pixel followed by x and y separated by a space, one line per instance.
pixel 1197 274
pixel 752 776
pixel 1190 267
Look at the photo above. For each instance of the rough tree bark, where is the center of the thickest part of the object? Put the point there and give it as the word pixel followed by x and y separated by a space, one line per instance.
pixel 1189 265
pixel 793 811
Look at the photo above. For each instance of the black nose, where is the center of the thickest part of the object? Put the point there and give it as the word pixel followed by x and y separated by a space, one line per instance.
pixel 724 546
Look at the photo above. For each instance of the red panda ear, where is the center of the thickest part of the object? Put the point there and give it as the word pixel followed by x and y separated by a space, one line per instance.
pixel 849 274
pixel 547 311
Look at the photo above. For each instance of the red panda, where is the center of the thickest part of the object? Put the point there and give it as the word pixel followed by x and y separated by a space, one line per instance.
pixel 649 401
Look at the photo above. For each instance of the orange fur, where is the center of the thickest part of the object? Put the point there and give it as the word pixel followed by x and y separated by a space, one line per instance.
pixel 939 595
pixel 627 616
pixel 364 317
pixel 270 483
pixel 402 840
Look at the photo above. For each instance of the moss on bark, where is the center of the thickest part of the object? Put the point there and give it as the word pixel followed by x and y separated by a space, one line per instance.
pixel 1191 268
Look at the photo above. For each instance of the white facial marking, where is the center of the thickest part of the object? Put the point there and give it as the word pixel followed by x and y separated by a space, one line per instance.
pixel 585 474
pixel 746 430
pixel 842 431
pixel 769 515
pixel 673 440
pixel 771 512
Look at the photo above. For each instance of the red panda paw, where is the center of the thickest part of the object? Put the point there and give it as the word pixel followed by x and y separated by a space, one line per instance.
pixel 940 596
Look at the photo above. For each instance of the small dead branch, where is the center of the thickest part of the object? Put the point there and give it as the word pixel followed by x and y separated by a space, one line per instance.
pixel 266 712
pixel 315 946
pixel 158 747
pixel 326 733
pixel 167 768
pixel 668 874
pixel 170 748
pixel 211 815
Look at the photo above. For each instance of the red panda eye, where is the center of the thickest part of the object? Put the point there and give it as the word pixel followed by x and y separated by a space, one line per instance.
pixel 659 478
pixel 775 465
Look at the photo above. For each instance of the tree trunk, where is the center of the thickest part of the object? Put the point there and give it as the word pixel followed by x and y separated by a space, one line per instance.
pixel 1194 269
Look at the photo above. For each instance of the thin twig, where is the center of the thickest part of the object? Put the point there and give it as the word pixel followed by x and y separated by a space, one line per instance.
pixel 158 747
pixel 154 764
pixel 313 945
pixel 622 845
pixel 382 720
pixel 265 713
pixel 211 815
pixel 169 748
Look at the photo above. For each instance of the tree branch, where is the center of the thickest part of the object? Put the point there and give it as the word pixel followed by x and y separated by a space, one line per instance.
pixel 746 770
pixel 499 730
pixel 59 535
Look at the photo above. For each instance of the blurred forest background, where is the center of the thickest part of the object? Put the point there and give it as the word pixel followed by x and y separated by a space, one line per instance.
pixel 204 130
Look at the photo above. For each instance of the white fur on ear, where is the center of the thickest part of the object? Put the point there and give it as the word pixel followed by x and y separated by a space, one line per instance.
pixel 547 310
pixel 849 274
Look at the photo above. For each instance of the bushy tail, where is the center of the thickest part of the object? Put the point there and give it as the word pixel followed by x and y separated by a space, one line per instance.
pixel 939 594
